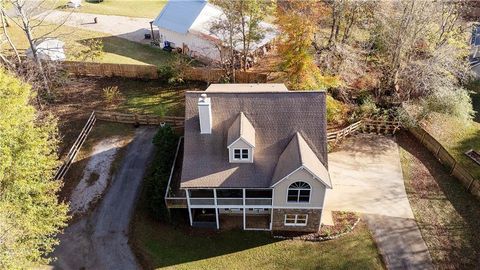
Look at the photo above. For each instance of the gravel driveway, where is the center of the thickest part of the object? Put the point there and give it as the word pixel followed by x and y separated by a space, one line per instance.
pixel 100 240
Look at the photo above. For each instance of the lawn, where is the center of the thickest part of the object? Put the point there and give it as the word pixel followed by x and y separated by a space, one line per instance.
pixel 163 246
pixel 116 50
pixel 447 215
pixel 457 136
pixel 129 8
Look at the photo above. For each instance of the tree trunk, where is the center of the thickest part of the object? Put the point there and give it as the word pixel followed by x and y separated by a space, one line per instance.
pixel 33 46
pixel 4 26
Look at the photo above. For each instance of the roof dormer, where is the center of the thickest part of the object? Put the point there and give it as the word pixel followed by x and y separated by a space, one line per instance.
pixel 241 140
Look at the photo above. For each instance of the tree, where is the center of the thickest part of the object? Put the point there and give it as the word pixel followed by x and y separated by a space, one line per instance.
pixel 422 59
pixel 30 213
pixel 226 28
pixel 297 35
pixel 30 15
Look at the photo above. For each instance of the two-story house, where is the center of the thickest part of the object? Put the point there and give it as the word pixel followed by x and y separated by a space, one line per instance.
pixel 255 154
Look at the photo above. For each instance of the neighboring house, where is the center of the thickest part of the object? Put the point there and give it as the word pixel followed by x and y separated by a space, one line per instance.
pixel 255 154
pixel 186 25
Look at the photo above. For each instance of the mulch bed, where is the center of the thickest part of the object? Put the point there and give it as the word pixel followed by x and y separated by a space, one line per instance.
pixel 344 223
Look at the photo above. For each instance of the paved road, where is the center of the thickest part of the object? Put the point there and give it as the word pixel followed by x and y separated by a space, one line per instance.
pixel 367 178
pixel 100 240
pixel 129 28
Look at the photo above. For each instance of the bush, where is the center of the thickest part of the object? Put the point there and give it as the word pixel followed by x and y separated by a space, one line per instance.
pixel 165 73
pixel 111 94
pixel 165 142
pixel 335 110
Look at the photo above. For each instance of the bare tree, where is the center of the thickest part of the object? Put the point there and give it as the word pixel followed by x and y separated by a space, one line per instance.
pixel 29 16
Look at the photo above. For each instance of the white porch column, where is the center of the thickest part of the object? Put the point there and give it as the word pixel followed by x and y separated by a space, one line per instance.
pixel 189 210
pixel 216 208
pixel 244 214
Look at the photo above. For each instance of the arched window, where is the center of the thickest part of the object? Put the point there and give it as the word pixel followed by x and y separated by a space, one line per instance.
pixel 299 192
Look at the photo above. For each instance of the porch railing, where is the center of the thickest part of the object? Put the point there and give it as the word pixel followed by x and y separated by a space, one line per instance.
pixel 258 201
pixel 231 201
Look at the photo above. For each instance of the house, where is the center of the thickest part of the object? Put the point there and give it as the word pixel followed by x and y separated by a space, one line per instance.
pixel 255 154
pixel 186 25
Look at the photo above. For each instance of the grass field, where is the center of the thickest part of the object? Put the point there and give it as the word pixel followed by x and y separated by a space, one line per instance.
pixel 116 50
pixel 161 246
pixel 130 8
pixel 447 215
pixel 459 136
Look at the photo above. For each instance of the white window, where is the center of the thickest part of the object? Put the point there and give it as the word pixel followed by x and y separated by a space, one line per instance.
pixel 240 154
pixel 296 219
pixel 299 192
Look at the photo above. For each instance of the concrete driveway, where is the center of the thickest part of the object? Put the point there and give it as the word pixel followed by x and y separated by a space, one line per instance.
pixel 367 178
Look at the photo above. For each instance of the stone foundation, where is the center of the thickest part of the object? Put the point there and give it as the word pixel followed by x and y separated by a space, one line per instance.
pixel 313 221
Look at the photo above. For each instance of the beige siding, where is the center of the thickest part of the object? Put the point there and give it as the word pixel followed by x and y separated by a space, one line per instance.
pixel 243 145
pixel 316 195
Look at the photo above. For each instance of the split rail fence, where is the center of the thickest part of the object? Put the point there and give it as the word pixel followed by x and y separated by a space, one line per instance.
pixel 63 169
pixel 365 125
pixel 138 119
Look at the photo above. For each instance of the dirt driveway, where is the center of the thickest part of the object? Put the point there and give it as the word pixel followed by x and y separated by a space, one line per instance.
pixel 100 240
pixel 367 178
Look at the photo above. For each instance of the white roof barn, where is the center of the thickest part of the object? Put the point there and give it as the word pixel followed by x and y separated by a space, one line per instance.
pixel 188 23
pixel 49 49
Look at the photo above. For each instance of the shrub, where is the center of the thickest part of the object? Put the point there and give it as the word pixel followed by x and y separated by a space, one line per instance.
pixel 335 110
pixel 111 94
pixel 165 73
pixel 368 107
pixel 156 182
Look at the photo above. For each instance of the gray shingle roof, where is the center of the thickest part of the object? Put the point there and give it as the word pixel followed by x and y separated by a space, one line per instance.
pixel 241 129
pixel 298 154
pixel 275 116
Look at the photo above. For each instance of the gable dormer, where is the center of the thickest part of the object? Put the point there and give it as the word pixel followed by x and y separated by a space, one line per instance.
pixel 241 140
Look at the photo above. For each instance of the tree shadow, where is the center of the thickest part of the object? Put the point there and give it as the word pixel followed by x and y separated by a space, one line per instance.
pixel 138 51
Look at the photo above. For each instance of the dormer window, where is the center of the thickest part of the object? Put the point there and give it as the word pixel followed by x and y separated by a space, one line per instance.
pixel 241 140
pixel 241 154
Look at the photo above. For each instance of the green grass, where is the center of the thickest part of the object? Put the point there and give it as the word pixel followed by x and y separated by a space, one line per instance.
pixel 162 246
pixel 457 136
pixel 147 97
pixel 129 8
pixel 447 215
pixel 116 50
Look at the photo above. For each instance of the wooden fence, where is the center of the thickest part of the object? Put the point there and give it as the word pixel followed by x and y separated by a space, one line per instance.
pixel 139 119
pixel 365 125
pixel 111 70
pixel 456 169
pixel 210 75
pixel 63 169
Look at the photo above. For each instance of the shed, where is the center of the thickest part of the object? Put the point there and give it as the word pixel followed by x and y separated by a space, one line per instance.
pixel 49 49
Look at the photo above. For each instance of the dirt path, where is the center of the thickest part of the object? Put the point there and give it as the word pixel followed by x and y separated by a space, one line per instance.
pixel 100 240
